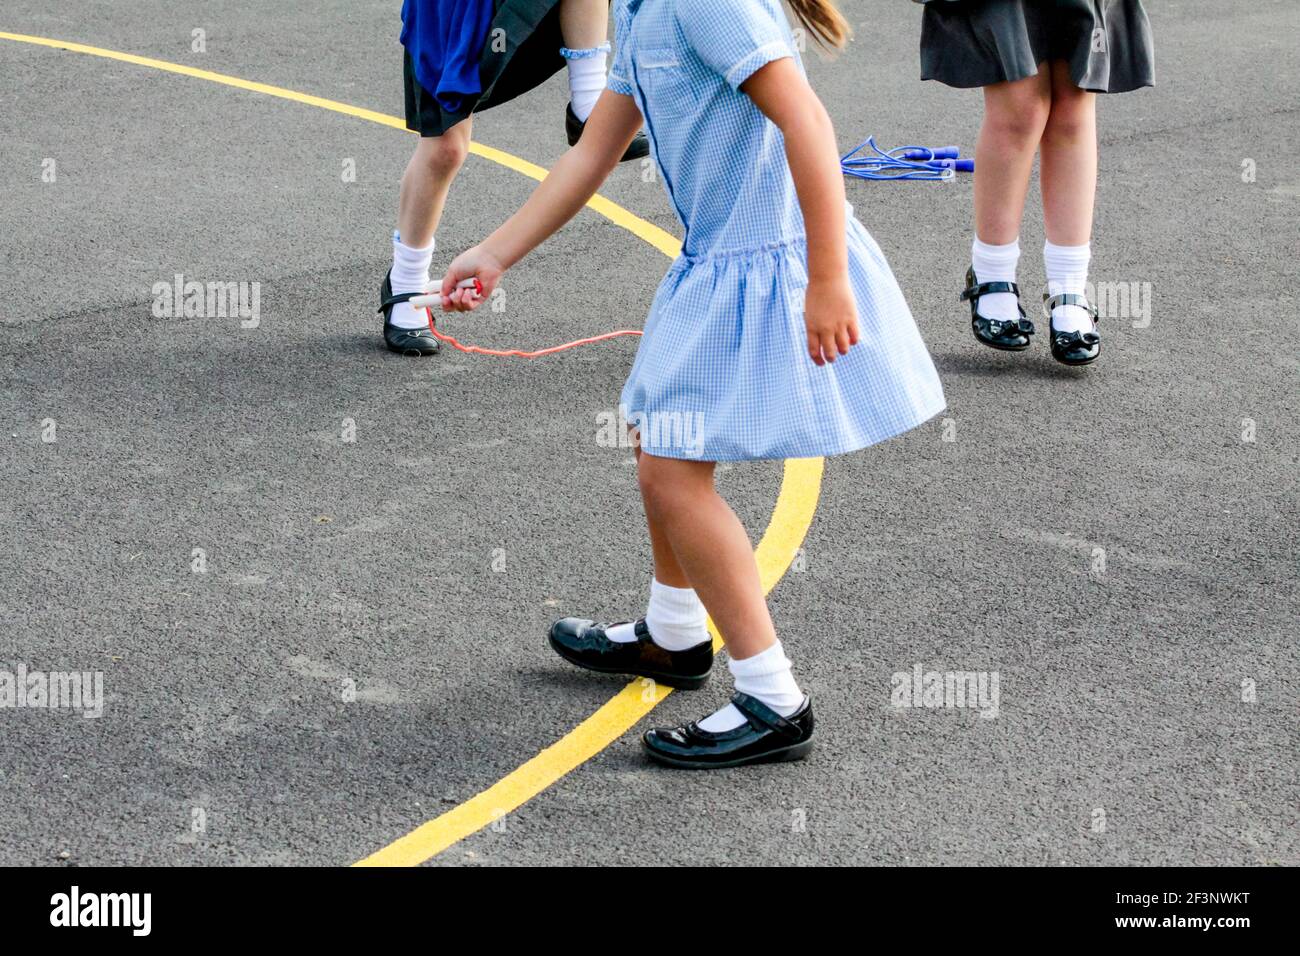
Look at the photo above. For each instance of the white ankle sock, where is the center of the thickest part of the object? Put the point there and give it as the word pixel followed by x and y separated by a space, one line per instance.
pixel 586 77
pixel 410 274
pixel 765 677
pixel 675 618
pixel 1067 271
pixel 996 264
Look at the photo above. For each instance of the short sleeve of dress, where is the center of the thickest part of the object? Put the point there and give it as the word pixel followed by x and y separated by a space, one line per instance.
pixel 619 79
pixel 736 38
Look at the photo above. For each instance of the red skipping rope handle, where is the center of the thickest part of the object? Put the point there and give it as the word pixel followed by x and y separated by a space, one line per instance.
pixel 514 353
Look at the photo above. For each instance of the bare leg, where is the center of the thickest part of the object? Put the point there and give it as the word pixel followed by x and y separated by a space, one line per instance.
pixel 667 570
pixel 1069 163
pixel 1069 174
pixel 584 23
pixel 1014 117
pixel 427 179
pixel 711 547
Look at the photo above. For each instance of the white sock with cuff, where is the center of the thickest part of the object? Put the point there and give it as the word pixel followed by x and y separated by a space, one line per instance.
pixel 1067 272
pixel 410 274
pixel 996 264
pixel 675 618
pixel 765 676
pixel 586 77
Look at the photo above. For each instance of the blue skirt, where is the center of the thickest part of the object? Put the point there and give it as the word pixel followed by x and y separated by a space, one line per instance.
pixel 445 39
pixel 723 371
pixel 467 56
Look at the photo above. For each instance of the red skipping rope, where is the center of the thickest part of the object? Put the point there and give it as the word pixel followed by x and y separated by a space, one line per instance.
pixel 516 353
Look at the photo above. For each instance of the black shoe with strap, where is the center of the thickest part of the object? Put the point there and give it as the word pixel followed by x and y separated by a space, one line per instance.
pixel 585 643
pixel 1073 348
pixel 639 148
pixel 403 341
pixel 765 737
pixel 1004 335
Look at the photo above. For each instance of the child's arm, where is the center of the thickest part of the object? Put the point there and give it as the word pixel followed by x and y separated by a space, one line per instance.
pixel 566 189
pixel 830 312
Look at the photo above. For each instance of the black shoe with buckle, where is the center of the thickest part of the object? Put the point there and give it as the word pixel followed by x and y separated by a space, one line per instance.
pixel 1073 348
pixel 765 737
pixel 403 341
pixel 584 643
pixel 639 148
pixel 1006 335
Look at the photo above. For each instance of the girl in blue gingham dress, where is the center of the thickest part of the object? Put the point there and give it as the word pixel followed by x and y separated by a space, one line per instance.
pixel 779 332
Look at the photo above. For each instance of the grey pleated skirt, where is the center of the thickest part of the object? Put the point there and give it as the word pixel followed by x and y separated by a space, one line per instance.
pixel 1107 43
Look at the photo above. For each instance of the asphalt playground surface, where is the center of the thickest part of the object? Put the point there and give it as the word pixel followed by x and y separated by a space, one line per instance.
pixel 363 649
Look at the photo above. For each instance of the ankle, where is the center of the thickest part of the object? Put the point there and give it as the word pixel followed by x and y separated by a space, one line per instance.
pixel 1067 274
pixel 768 677
pixel 676 617
pixel 996 262
pixel 586 77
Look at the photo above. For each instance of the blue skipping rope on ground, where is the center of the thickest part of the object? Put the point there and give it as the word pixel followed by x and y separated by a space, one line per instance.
pixel 869 161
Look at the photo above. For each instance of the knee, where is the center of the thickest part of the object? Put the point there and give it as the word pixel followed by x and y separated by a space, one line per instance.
pixel 443 156
pixel 668 483
pixel 1071 118
pixel 653 477
pixel 1020 122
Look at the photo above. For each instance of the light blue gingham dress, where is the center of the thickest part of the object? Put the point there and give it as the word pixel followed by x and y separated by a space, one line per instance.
pixel 723 371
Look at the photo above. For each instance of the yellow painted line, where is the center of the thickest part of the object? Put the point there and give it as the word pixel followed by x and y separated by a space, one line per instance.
pixel 664 241
pixel 795 506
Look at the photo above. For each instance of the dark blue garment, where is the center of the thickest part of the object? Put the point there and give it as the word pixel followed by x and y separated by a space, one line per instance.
pixel 445 39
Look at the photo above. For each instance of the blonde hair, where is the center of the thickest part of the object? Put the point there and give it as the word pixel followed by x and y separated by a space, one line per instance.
pixel 824 20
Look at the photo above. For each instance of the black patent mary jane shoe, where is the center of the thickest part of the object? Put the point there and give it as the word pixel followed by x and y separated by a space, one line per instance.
pixel 403 341
pixel 765 737
pixel 639 148
pixel 1073 348
pixel 584 643
pixel 1004 335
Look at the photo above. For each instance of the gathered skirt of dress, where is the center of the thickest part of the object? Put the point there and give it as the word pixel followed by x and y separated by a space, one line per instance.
pixel 723 371
pixel 1107 43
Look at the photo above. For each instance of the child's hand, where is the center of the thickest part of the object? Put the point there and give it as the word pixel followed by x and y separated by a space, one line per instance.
pixel 831 315
pixel 474 263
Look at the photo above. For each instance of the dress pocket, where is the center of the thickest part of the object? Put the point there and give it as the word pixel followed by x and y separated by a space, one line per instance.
pixel 663 77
